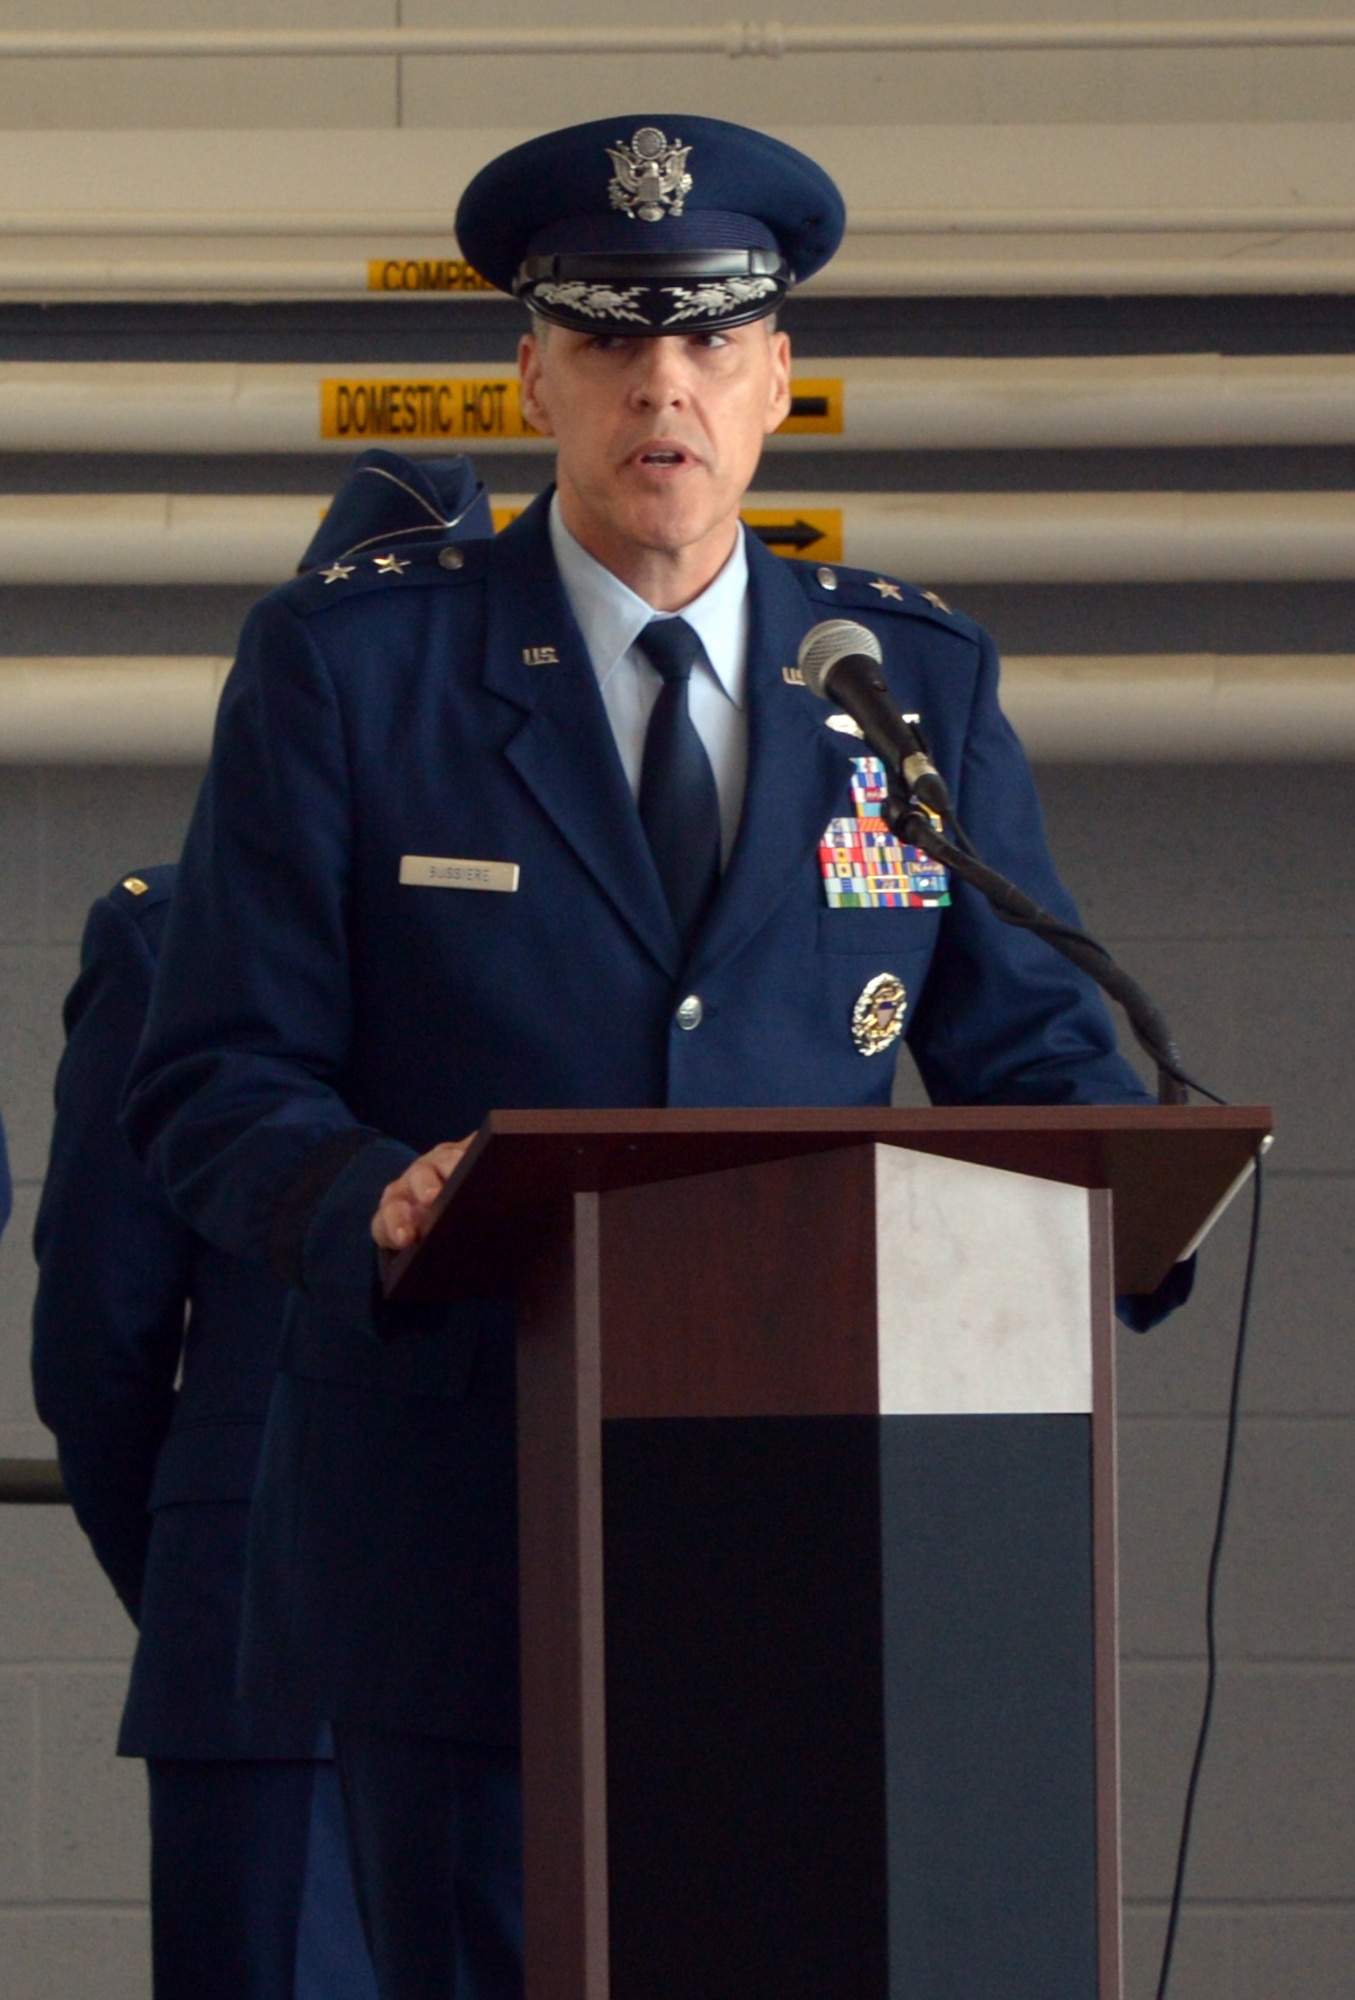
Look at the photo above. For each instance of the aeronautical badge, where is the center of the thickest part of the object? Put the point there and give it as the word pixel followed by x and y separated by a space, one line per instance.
pixel 650 179
pixel 877 1017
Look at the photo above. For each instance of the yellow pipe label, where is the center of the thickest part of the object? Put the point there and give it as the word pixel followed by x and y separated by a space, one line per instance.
pixel 815 533
pixel 424 274
pixel 490 406
pixel 815 408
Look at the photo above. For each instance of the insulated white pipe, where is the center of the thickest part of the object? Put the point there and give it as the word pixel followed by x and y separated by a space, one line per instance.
pixel 1094 537
pixel 386 223
pixel 924 404
pixel 1165 708
pixel 116 710
pixel 1184 708
pixel 152 538
pixel 1085 403
pixel 733 38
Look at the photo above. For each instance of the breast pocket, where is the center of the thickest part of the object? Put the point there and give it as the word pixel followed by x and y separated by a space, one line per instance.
pixel 884 933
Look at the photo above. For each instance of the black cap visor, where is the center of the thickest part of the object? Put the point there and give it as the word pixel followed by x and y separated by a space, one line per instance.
pixel 651 293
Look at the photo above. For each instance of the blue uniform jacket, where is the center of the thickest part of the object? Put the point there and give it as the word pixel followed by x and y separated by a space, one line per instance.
pixel 160 1476
pixel 132 1302
pixel 318 1023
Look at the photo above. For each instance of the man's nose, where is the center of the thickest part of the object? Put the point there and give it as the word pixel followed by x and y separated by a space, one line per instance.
pixel 660 379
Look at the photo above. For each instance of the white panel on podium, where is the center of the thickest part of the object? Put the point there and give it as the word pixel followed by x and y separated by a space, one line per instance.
pixel 983 1290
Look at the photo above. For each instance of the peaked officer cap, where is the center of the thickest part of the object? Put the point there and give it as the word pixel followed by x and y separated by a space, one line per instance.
pixel 650 225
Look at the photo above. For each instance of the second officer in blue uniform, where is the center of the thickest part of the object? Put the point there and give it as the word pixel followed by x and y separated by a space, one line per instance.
pixel 550 821
pixel 153 1358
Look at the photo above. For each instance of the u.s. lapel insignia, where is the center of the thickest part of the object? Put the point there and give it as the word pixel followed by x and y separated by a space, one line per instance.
pixel 877 1017
pixel 337 571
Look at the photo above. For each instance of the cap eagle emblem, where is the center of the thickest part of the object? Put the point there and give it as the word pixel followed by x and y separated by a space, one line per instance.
pixel 650 179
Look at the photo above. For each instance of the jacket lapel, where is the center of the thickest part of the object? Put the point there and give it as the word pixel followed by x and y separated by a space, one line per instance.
pixel 797 767
pixel 564 751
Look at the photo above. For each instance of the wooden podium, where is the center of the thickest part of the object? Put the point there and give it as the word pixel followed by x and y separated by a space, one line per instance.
pixel 817 1489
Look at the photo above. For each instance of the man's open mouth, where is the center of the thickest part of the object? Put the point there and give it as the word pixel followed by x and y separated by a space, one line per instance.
pixel 661 455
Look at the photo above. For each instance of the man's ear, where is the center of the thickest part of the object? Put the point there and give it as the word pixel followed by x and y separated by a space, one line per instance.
pixel 529 376
pixel 778 402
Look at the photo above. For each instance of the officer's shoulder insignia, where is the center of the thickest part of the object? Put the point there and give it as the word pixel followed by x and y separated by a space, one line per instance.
pixel 386 566
pixel 848 590
pixel 146 888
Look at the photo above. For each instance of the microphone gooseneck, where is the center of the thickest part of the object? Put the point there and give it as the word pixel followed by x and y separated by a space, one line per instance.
pixel 842 662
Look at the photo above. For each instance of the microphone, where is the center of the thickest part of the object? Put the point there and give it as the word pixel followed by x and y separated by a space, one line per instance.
pixel 841 661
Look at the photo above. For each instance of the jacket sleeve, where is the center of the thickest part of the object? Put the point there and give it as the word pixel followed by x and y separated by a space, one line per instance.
pixel 236 1100
pixel 1004 1019
pixel 113 1266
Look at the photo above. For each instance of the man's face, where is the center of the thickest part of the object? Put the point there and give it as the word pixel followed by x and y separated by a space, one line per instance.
pixel 658 439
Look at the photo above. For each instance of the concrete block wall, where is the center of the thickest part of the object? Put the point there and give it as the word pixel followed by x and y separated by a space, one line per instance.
pixel 1230 892
pixel 73 1845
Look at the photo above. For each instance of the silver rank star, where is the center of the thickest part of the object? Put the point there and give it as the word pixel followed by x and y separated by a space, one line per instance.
pixel 887 589
pixel 391 565
pixel 337 572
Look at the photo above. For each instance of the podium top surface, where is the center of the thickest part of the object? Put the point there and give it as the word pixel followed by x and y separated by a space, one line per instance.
pixel 1169 1168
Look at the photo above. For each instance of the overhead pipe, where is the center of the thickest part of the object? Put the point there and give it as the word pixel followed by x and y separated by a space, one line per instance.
pixel 1196 400
pixel 117 710
pixel 150 538
pixel 1094 537
pixel 733 39
pixel 1184 708
pixel 1292 218
pixel 1107 709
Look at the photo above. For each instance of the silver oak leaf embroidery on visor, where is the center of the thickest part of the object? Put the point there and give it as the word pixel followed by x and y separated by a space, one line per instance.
pixel 720 295
pixel 597 301
pixel 650 178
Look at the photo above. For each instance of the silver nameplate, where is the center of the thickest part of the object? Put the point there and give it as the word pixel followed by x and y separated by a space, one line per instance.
pixel 433 871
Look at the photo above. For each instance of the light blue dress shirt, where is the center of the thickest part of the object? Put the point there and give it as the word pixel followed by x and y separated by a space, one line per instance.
pixel 611 618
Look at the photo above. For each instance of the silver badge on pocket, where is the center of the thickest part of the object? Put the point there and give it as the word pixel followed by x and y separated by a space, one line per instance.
pixel 877 1017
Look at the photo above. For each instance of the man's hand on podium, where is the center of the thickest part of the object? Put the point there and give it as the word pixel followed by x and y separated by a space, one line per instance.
pixel 406 1206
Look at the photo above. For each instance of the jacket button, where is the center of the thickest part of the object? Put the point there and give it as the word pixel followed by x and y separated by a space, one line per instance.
pixel 690 1012
pixel 451 558
pixel 826 578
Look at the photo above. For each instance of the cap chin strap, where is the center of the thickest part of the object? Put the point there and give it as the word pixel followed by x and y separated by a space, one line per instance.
pixel 654 292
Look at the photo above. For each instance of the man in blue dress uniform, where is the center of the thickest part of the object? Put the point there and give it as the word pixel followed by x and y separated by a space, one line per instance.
pixel 153 1357
pixel 550 821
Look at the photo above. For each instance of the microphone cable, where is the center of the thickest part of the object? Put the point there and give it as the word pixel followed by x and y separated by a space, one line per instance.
pixel 1211 1591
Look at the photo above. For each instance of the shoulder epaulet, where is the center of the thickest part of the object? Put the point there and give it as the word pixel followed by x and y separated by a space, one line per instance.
pixel 870 590
pixel 386 569
pixel 146 888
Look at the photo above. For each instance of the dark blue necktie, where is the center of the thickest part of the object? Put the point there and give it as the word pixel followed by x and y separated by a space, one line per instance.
pixel 679 805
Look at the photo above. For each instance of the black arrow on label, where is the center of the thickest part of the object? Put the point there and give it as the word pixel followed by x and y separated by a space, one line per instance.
pixel 789 534
pixel 809 406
